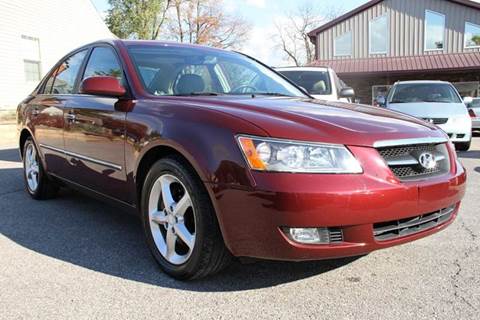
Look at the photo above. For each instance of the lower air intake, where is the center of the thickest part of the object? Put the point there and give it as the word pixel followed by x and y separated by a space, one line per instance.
pixel 408 226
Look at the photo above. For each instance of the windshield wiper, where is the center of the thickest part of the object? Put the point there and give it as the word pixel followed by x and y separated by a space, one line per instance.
pixel 273 94
pixel 199 93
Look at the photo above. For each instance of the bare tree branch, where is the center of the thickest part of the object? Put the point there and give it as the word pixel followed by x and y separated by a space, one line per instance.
pixel 292 32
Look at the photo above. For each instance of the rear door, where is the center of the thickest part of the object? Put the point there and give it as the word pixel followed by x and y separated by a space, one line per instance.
pixel 47 111
pixel 95 131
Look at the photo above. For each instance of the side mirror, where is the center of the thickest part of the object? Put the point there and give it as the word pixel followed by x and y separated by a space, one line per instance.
pixel 467 100
pixel 382 102
pixel 102 86
pixel 347 92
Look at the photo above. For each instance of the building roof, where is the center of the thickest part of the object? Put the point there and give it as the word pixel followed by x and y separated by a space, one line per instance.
pixel 411 64
pixel 313 34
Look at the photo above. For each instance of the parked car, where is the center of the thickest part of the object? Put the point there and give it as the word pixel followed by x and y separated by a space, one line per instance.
pixel 474 112
pixel 320 82
pixel 221 156
pixel 436 102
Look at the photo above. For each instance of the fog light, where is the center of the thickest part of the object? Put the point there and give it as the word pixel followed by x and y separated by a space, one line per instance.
pixel 309 235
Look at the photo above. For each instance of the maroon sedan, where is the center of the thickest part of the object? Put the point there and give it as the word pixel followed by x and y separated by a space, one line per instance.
pixel 222 156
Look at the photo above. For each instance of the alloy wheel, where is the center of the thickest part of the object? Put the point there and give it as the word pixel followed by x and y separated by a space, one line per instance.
pixel 32 168
pixel 172 219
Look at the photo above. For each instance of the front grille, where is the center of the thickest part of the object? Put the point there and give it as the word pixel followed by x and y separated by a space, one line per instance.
pixel 436 120
pixel 400 228
pixel 404 161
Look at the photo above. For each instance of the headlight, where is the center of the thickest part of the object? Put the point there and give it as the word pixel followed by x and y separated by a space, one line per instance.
pixel 278 155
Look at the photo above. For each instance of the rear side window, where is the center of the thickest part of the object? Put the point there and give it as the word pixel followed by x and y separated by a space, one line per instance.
pixel 63 78
pixel 103 62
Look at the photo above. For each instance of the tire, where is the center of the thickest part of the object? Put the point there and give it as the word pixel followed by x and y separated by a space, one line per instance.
pixel 463 146
pixel 189 214
pixel 37 183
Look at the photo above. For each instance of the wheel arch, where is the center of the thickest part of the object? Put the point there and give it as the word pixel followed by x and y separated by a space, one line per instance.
pixel 160 150
pixel 24 135
pixel 157 151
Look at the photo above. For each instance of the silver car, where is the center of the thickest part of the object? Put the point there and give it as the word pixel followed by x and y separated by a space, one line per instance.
pixel 474 110
pixel 437 102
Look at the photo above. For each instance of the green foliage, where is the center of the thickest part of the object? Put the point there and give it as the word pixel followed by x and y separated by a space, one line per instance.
pixel 136 19
pixel 476 40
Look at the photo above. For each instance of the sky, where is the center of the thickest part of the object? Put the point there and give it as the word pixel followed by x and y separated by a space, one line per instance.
pixel 261 14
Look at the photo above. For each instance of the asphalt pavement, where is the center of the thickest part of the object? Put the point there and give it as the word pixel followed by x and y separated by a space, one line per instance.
pixel 78 258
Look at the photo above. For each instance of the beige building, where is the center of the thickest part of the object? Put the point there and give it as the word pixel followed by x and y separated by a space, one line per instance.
pixel 35 34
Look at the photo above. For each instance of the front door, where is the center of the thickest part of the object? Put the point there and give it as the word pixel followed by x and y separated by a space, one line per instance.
pixel 95 132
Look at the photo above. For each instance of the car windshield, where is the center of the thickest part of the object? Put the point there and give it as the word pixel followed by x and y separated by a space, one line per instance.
pixel 184 71
pixel 315 82
pixel 424 92
pixel 475 103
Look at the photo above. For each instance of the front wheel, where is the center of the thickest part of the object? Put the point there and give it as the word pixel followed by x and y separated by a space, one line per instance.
pixel 463 146
pixel 179 221
pixel 37 183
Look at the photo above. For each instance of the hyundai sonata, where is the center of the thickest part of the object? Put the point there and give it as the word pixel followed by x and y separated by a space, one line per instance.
pixel 223 157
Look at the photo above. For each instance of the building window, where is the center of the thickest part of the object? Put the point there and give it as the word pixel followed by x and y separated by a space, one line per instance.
pixel 31 58
pixel 472 35
pixel 32 70
pixel 343 45
pixel 378 35
pixel 434 30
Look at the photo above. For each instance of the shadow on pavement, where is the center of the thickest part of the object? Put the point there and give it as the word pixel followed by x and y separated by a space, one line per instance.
pixel 93 235
pixel 9 155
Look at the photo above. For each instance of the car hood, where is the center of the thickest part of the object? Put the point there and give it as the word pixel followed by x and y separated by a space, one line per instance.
pixel 430 109
pixel 321 121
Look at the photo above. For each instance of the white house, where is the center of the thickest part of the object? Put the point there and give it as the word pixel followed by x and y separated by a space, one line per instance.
pixel 35 34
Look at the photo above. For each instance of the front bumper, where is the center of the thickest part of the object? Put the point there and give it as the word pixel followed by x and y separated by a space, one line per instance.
pixel 457 132
pixel 252 219
pixel 476 123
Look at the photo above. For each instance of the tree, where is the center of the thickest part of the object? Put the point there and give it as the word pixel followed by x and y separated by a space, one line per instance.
pixel 205 22
pixel 137 19
pixel 292 32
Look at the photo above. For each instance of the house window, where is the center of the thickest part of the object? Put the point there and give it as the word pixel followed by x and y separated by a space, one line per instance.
pixel 434 31
pixel 472 35
pixel 31 58
pixel 343 45
pixel 32 70
pixel 378 35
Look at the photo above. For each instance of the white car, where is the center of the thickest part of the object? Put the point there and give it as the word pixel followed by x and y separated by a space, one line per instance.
pixel 437 102
pixel 320 82
pixel 474 111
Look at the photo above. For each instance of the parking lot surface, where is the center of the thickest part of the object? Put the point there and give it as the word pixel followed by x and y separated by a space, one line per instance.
pixel 77 258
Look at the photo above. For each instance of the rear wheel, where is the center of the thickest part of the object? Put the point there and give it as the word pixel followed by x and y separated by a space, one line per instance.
pixel 463 146
pixel 180 223
pixel 37 183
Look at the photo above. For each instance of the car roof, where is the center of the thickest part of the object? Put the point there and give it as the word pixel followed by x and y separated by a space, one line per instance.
pixel 319 69
pixel 422 82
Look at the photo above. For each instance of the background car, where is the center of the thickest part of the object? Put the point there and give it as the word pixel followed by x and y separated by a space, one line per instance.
pixel 320 82
pixel 474 111
pixel 436 102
